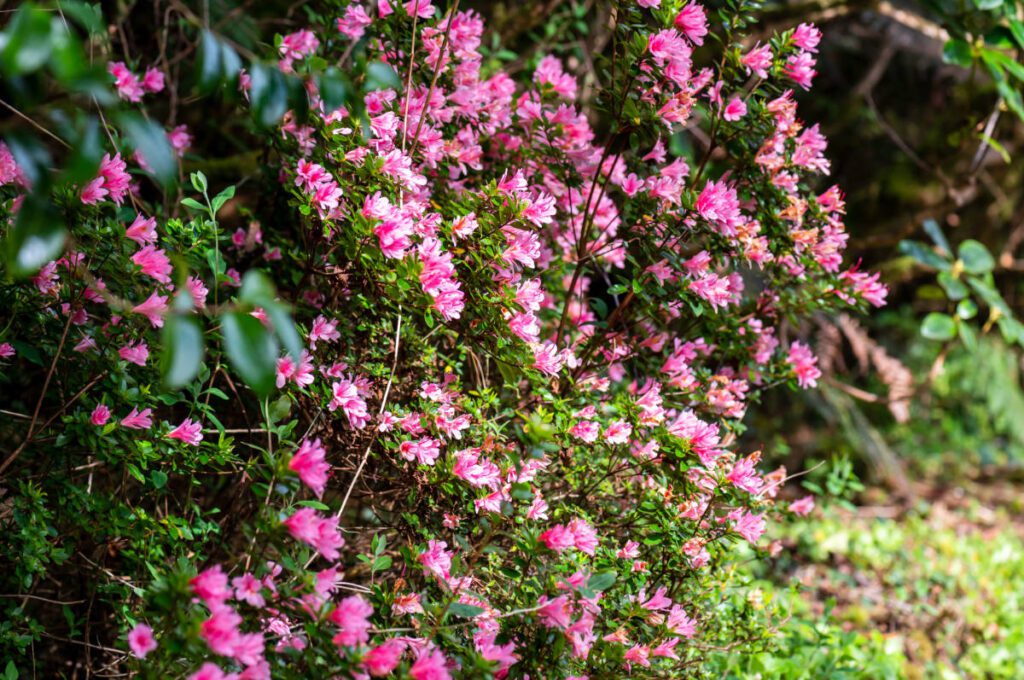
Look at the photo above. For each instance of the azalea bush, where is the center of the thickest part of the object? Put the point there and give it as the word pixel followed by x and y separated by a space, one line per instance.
pixel 440 375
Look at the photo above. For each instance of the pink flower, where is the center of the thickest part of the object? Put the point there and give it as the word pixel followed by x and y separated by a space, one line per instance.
pixel 355 21
pixel 100 415
pixel 680 623
pixel 197 289
pixel 309 464
pixel 383 659
pixel 749 526
pixel 800 69
pixel 6 350
pixel 558 538
pixel 153 309
pixel 758 60
pixel 142 230
pixel 153 80
pixel 618 432
pixel 693 23
pixel 804 363
pixel 180 140
pixel 127 83
pixel 352 616
pixel 113 181
pixel 154 263
pixel 211 671
pixel 430 664
pixel 584 536
pixel 136 353
pixel 436 559
pixel 211 586
pixel 802 506
pixel 323 330
pixel 556 613
pixel 321 533
pixel 189 432
pixel 248 589
pixel 347 398
pixel 138 420
pixel 141 640
pixel 807 37
pixel 734 110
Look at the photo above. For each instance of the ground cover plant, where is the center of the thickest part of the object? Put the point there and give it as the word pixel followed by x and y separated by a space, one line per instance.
pixel 406 363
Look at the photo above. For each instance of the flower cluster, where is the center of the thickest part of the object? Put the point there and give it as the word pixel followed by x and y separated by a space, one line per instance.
pixel 506 445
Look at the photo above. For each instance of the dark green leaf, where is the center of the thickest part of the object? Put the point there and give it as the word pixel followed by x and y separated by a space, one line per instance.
pixel 37 237
pixel 268 94
pixel 934 231
pixel 924 255
pixel 955 288
pixel 975 257
pixel 159 478
pixel 334 89
pixel 182 350
pixel 957 52
pixel 27 41
pixel 939 327
pixel 466 611
pixel 150 140
pixel 209 68
pixel 251 349
pixel 601 581
pixel 380 76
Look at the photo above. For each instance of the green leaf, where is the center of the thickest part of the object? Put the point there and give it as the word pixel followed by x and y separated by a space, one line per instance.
pixel 940 327
pixel 209 69
pixel 11 671
pixel 466 611
pixel 88 16
pixel 257 289
pixel 1017 29
pixel 251 350
pixel 150 140
pixel 86 153
pixel 268 93
pixel 192 203
pixel 602 581
pixel 958 52
pixel 924 255
pixel 284 328
pixel 37 237
pixel 159 478
pixel 975 257
pixel 334 88
pixel 223 197
pixel 316 505
pixel 934 231
pixel 380 76
pixel 967 309
pixel 968 337
pixel 955 288
pixel 183 350
pixel 198 180
pixel 27 41
pixel 985 5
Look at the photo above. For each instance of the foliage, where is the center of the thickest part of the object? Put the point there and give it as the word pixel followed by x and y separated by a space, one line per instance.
pixel 458 394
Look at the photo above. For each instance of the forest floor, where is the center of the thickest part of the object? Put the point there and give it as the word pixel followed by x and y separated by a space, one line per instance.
pixel 928 588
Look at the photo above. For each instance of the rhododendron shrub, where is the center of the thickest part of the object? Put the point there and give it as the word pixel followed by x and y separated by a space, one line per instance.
pixel 502 441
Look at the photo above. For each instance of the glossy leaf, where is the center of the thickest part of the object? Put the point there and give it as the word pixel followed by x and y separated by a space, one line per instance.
pixel 37 237
pixel 975 257
pixel 183 350
pixel 150 140
pixel 939 327
pixel 251 350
